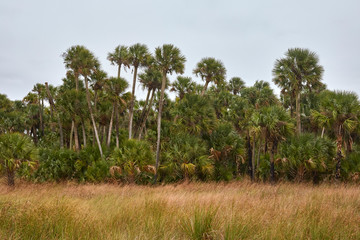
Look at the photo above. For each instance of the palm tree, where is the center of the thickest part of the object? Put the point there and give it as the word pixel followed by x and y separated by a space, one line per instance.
pixel 183 85
pixel 86 65
pixel 139 57
pixel 53 106
pixel 15 149
pixel 116 88
pixel 120 57
pixel 154 78
pixel 339 111
pixel 210 70
pixel 169 59
pixel 236 84
pixel 277 125
pixel 299 70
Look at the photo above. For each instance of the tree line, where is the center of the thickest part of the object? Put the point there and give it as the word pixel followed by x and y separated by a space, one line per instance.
pixel 91 128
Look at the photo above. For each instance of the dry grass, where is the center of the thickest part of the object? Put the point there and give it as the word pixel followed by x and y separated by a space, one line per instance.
pixel 238 210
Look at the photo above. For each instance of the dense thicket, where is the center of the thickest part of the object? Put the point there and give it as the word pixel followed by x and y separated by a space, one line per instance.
pixel 91 129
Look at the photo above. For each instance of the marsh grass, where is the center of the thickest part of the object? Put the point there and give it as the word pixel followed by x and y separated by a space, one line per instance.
pixel 238 210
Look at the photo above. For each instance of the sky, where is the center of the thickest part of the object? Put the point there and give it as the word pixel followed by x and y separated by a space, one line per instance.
pixel 246 35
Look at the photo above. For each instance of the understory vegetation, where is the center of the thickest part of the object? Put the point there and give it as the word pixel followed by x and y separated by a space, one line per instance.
pixel 92 129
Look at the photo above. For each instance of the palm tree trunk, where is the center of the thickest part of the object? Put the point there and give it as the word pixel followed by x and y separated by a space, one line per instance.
pixel 131 110
pixel 71 134
pixel 83 132
pixel 41 130
pixel 159 125
pixel 298 118
pixel 143 123
pixel 110 126
pixel 76 137
pixel 52 104
pixel 205 87
pixel 116 124
pixel 253 156
pixel 338 155
pixel 92 116
pixel 144 110
pixel 250 161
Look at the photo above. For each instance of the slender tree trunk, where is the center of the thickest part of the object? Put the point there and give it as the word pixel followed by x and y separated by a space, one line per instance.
pixel 143 111
pixel 116 124
pixel 71 134
pixel 250 161
pixel 52 104
pixel 35 136
pixel 41 117
pixel 110 126
pixel 159 125
pixel 83 132
pixel 76 136
pixel 322 132
pixel 143 123
pixel 338 155
pixel 92 116
pixel 119 70
pixel 298 117
pixel 11 178
pixel 259 152
pixel 205 87
pixel 131 110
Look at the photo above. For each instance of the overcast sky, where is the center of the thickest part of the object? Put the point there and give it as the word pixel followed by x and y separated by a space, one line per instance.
pixel 248 36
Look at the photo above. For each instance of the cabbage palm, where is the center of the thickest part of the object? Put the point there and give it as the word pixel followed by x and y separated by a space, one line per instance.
pixel 236 84
pixel 116 88
pixel 299 70
pixel 277 125
pixel 183 85
pixel 15 150
pixel 120 57
pixel 339 111
pixel 152 78
pixel 86 65
pixel 139 57
pixel 169 59
pixel 210 70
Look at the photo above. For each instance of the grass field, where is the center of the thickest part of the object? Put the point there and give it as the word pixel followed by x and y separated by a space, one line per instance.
pixel 238 210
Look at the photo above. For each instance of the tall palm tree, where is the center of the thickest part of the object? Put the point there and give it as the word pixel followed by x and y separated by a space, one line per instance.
pixel 169 59
pixel 53 106
pixel 139 57
pixel 120 57
pixel 339 111
pixel 236 84
pixel 210 70
pixel 116 88
pixel 154 78
pixel 86 64
pixel 299 70
pixel 277 125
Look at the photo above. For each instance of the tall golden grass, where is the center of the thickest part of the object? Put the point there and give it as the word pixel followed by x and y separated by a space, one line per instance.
pixel 237 210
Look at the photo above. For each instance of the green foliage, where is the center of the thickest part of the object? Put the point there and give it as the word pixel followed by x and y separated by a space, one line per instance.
pixel 306 156
pixel 185 156
pixel 16 150
pixel 55 165
pixel 135 159
pixel 226 149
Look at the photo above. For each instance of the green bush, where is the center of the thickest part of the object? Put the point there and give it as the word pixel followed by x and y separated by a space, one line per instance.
pixel 135 158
